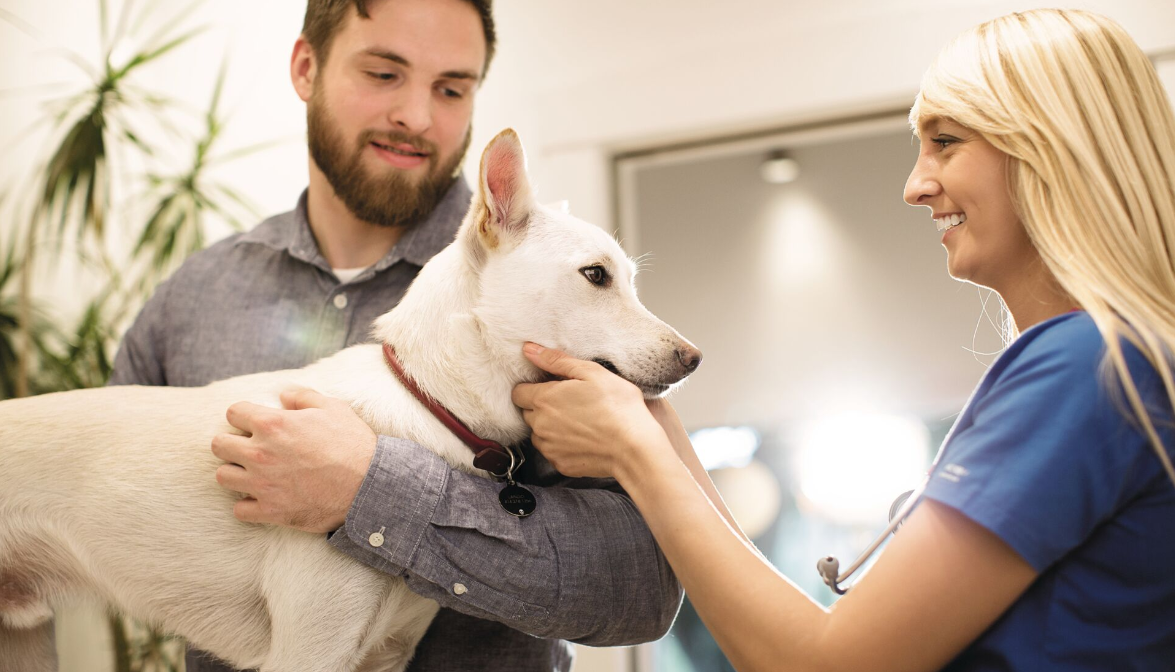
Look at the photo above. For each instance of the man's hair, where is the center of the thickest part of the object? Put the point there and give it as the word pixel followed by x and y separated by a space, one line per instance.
pixel 1079 110
pixel 324 18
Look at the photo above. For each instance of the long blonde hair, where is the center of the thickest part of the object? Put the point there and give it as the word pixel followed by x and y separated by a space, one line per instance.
pixel 1080 111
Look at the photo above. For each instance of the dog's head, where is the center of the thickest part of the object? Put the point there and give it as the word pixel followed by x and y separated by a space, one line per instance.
pixel 551 278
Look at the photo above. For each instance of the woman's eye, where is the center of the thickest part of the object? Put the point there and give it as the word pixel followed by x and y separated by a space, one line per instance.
pixel 942 142
pixel 595 274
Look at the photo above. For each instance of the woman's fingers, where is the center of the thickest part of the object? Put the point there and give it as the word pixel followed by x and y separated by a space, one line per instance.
pixel 558 362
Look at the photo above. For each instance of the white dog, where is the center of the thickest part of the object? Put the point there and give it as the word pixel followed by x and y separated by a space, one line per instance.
pixel 109 494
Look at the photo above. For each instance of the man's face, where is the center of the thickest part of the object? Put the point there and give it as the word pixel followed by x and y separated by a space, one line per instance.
pixel 389 116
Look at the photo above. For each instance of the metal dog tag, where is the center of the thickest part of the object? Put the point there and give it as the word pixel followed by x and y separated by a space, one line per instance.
pixel 517 500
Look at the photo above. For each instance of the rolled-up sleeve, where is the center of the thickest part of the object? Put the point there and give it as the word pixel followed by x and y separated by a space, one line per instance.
pixel 583 567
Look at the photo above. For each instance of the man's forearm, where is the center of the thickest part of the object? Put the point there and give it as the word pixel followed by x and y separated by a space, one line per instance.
pixel 583 567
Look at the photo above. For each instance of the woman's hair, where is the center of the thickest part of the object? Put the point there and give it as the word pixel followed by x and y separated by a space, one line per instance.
pixel 1080 111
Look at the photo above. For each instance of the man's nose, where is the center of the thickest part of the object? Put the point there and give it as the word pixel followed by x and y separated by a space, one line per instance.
pixel 413 111
pixel 921 185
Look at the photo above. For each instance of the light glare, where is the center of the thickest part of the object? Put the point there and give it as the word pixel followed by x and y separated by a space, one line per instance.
pixel 851 466
pixel 725 447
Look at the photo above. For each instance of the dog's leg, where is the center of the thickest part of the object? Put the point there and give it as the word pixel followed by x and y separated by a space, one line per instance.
pixel 320 610
pixel 28 649
pixel 408 616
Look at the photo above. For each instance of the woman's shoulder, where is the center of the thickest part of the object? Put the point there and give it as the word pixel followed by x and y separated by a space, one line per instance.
pixel 1065 343
pixel 1075 338
pixel 1073 335
pixel 1068 355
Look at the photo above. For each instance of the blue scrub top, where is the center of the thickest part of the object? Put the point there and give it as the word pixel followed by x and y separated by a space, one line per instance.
pixel 1045 456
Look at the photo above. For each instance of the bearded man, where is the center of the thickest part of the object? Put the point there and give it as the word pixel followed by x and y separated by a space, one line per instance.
pixel 389 87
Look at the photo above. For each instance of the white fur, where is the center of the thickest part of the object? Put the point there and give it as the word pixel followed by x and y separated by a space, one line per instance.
pixel 109 494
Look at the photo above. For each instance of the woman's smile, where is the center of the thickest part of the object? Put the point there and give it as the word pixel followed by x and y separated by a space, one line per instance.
pixel 947 221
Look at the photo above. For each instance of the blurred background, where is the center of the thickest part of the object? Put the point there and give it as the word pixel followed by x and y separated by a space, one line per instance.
pixel 752 151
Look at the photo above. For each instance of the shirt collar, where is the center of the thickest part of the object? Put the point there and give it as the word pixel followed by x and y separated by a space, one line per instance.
pixel 290 232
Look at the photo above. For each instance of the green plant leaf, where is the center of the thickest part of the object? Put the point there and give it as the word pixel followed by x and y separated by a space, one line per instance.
pixel 120 28
pixel 146 57
pixel 21 25
pixel 170 24
pixel 75 172
pixel 247 150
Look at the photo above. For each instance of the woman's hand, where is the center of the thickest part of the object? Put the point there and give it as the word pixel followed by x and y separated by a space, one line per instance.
pixel 593 423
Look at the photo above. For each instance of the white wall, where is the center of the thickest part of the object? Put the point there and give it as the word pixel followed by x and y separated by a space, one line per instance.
pixel 822 296
pixel 577 79
pixel 580 79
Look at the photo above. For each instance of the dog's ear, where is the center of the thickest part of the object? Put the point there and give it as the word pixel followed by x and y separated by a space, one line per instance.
pixel 504 199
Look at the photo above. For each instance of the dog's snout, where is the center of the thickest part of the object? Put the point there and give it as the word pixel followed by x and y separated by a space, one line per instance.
pixel 690 357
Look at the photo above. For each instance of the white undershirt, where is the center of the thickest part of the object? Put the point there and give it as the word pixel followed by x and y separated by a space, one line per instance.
pixel 346 275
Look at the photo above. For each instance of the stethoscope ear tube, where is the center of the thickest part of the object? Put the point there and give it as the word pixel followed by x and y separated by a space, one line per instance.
pixel 896 508
pixel 829 566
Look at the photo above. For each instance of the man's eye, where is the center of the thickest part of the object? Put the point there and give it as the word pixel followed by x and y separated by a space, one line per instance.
pixel 452 93
pixel 595 275
pixel 382 76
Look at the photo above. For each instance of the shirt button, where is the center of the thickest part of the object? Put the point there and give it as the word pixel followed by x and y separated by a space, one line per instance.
pixel 340 301
pixel 376 539
pixel 459 589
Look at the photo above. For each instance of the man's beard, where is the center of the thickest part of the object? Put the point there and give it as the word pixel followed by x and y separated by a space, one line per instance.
pixel 393 199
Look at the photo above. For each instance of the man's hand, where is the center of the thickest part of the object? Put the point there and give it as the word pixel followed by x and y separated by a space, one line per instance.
pixel 300 467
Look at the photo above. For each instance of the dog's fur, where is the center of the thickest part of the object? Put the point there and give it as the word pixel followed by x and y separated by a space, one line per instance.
pixel 109 494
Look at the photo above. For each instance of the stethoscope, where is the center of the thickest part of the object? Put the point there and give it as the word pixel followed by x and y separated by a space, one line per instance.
pixel 829 566
pixel 898 511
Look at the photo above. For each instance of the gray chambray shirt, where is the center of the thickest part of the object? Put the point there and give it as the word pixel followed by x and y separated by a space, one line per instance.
pixel 583 567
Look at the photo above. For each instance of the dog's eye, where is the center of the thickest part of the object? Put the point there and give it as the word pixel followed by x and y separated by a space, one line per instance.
pixel 595 275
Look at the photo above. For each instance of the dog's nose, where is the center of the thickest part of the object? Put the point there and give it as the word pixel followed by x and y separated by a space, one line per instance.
pixel 690 357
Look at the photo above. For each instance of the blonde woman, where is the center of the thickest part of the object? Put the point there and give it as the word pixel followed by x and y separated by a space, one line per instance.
pixel 1045 537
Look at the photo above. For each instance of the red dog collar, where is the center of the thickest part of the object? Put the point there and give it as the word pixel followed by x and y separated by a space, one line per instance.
pixel 488 455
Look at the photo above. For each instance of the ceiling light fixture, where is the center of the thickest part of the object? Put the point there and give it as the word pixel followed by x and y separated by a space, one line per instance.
pixel 779 168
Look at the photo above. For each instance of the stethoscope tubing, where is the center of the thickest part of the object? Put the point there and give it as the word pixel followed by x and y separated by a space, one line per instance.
pixel 828 566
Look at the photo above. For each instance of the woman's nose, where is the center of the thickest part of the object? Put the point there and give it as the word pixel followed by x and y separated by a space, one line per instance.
pixel 921 185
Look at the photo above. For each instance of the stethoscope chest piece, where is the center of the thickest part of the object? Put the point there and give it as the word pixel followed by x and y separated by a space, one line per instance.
pixel 829 567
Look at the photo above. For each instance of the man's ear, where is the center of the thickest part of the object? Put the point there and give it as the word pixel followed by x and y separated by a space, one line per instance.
pixel 303 68
pixel 504 199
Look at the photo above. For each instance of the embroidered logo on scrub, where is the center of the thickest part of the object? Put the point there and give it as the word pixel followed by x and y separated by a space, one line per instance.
pixel 953 472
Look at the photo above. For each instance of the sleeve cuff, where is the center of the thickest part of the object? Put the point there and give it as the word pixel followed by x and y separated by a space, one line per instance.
pixel 394 506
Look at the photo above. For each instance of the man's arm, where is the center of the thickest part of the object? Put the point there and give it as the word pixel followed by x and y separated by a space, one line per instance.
pixel 140 354
pixel 582 567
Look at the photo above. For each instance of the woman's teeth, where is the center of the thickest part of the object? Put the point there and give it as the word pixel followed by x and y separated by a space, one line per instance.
pixel 949 222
